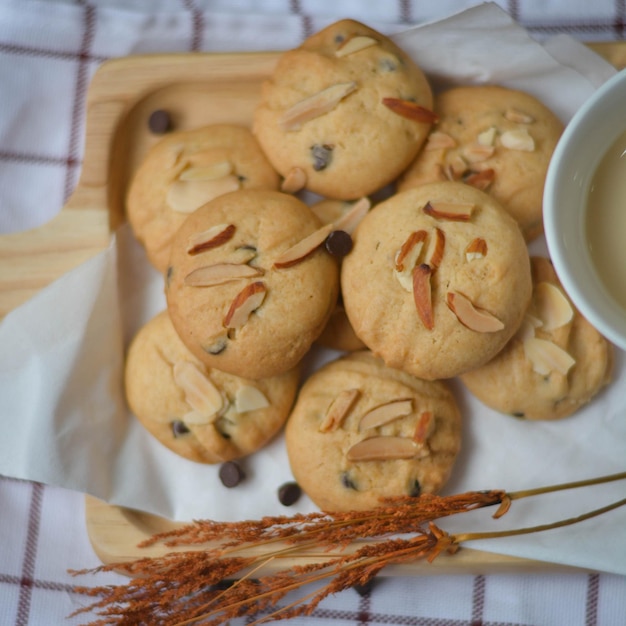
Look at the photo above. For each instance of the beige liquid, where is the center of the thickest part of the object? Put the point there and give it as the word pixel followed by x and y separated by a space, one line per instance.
pixel 606 220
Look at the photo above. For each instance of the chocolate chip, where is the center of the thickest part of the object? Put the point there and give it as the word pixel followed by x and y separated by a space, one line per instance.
pixel 338 243
pixel 179 428
pixel 217 347
pixel 322 155
pixel 289 493
pixel 387 65
pixel 518 414
pixel 159 122
pixel 231 474
pixel 347 482
pixel 416 489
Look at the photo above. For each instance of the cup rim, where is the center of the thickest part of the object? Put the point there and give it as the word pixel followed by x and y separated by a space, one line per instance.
pixel 565 236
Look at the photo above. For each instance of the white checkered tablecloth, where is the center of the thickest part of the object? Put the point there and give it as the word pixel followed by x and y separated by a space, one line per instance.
pixel 49 50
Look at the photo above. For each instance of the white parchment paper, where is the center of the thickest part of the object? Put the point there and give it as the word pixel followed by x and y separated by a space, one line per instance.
pixel 62 406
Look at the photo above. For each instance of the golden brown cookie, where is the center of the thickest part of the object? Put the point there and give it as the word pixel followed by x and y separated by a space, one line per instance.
pixel 200 413
pixel 497 139
pixel 250 284
pixel 554 364
pixel 186 169
pixel 345 113
pixel 361 432
pixel 438 279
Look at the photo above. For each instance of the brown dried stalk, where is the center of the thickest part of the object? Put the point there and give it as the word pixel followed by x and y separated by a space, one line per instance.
pixel 184 587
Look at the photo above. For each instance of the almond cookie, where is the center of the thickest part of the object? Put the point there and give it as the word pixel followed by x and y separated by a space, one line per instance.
pixel 250 284
pixel 438 279
pixel 200 413
pixel 497 139
pixel 345 113
pixel 185 170
pixel 554 364
pixel 361 432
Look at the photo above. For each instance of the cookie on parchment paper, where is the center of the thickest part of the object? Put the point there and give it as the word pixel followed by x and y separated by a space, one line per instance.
pixel 554 365
pixel 183 171
pixel 497 139
pixel 200 413
pixel 361 432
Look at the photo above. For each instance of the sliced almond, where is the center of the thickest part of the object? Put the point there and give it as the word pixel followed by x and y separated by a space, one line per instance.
pixel 220 273
pixel 553 308
pixel 455 167
pixel 438 140
pixel 352 218
pixel 303 248
pixel 294 181
pixel 196 418
pixel 424 427
pixel 476 249
pixel 477 153
pixel 422 295
pixel 383 449
pixel 185 196
pixel 207 172
pixel 314 106
pixel 200 393
pixel 470 316
pixel 460 212
pixel 518 139
pixel 355 44
pixel 410 110
pixel 527 327
pixel 339 409
pixel 211 238
pixel 407 258
pixel 487 137
pixel 435 249
pixel 248 300
pixel 519 117
pixel 481 180
pixel 249 398
pixel 547 357
pixel 385 413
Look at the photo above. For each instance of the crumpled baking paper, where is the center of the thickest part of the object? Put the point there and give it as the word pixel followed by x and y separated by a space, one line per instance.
pixel 65 422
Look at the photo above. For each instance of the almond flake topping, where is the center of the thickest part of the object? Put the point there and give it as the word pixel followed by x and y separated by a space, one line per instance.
pixel 185 196
pixel 220 273
pixel 352 218
pixel 211 238
pixel 385 413
pixel 518 140
pixel 519 117
pixel 410 110
pixel 476 249
pixel 424 427
pixel 470 316
pixel 553 308
pixel 200 393
pixel 435 249
pixel 294 181
pixel 383 449
pixel 455 167
pixel 248 300
pixel 249 398
pixel 314 106
pixel 527 327
pixel 487 137
pixel 339 409
pixel 477 153
pixel 422 295
pixel 407 258
pixel 547 357
pixel 207 172
pixel 438 140
pixel 299 251
pixel 481 180
pixel 460 212
pixel 354 44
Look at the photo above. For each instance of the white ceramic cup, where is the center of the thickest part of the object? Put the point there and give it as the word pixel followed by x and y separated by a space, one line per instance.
pixel 585 141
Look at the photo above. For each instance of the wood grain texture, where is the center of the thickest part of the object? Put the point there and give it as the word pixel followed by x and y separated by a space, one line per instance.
pixel 196 89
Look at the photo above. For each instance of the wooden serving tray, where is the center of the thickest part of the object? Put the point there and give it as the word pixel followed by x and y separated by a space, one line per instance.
pixel 197 89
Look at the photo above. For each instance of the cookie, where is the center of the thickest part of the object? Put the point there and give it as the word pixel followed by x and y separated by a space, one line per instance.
pixel 554 365
pixel 438 279
pixel 361 432
pixel 498 139
pixel 200 413
pixel 184 170
pixel 345 113
pixel 250 284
